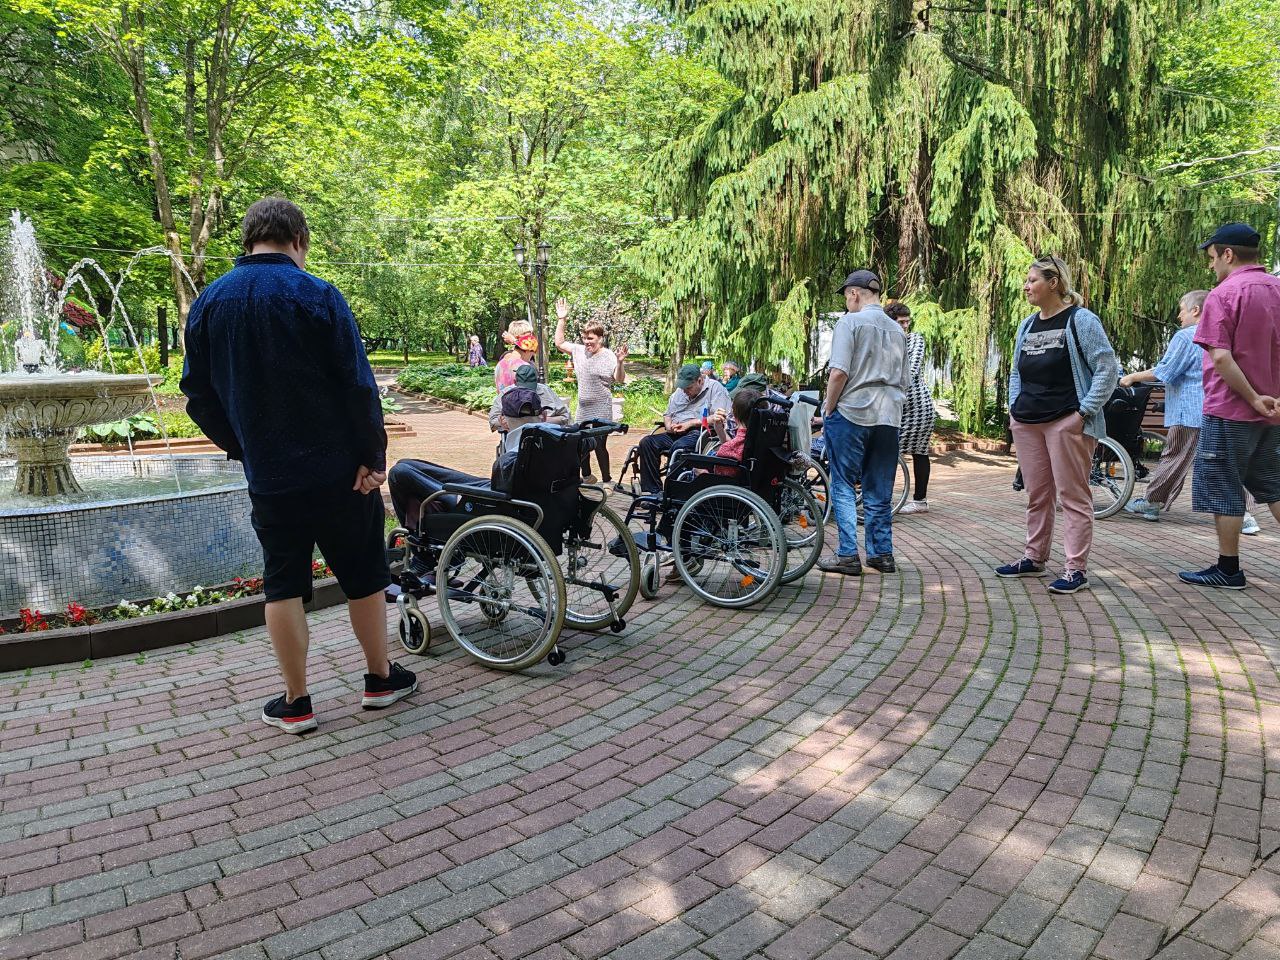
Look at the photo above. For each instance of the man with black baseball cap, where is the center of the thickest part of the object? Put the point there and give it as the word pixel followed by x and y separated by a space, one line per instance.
pixel 862 410
pixel 1239 445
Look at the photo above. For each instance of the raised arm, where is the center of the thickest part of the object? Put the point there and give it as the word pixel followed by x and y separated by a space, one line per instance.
pixel 620 374
pixel 562 314
pixel 1142 376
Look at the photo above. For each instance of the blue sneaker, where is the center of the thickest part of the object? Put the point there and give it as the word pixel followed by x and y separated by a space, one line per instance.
pixel 1213 577
pixel 1023 568
pixel 1141 508
pixel 1069 582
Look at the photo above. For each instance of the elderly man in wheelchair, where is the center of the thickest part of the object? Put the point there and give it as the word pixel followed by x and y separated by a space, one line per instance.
pixel 513 558
pixel 736 529
pixel 689 409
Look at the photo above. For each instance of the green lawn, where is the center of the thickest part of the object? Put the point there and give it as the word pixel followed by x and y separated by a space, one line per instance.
pixel 395 358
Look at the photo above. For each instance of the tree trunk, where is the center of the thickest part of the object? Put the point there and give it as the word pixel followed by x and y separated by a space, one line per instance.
pixel 131 33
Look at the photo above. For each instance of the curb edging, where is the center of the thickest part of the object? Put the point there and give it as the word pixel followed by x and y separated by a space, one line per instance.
pixel 118 637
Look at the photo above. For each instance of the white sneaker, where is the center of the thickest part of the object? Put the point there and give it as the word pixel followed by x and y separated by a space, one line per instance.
pixel 1250 528
pixel 915 506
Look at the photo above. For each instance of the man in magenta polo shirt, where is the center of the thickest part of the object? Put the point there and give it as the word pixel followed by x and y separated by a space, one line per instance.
pixel 1239 446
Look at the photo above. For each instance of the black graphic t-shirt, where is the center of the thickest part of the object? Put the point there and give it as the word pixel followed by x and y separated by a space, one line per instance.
pixel 1048 388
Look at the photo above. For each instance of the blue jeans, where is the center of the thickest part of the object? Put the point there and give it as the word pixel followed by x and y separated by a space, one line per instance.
pixel 869 454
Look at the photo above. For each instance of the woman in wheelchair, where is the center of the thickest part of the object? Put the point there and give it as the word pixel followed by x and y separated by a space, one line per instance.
pixel 736 527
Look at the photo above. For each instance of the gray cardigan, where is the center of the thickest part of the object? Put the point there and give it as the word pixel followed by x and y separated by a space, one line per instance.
pixel 1096 373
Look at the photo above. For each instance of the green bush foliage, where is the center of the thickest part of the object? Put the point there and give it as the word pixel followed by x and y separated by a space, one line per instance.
pixel 644 398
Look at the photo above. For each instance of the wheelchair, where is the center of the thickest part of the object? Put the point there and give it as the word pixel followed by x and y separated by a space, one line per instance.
pixel 517 562
pixel 628 481
pixel 815 476
pixel 734 536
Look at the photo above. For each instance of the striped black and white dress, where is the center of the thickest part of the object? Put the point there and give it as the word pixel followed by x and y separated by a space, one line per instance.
pixel 918 413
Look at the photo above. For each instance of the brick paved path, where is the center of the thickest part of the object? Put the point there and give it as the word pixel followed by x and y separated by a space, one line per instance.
pixel 932 764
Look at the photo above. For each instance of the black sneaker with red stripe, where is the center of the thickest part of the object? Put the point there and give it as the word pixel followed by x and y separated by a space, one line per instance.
pixel 380 692
pixel 296 717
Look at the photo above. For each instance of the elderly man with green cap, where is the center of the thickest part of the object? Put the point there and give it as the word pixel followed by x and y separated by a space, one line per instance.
pixel 525 401
pixel 696 397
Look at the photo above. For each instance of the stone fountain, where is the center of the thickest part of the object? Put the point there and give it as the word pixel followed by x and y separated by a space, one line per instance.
pixel 139 526
pixel 42 414
pixel 41 409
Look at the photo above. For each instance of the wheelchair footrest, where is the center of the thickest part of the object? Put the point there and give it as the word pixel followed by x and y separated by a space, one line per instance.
pixel 648 542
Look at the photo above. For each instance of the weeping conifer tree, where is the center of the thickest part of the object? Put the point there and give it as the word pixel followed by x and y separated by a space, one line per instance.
pixel 944 146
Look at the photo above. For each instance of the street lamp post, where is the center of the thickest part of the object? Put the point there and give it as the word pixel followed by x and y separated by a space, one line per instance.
pixel 542 257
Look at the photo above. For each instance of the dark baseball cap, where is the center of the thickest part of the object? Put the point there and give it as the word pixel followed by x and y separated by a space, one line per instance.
pixel 688 375
pixel 861 278
pixel 527 375
pixel 1233 235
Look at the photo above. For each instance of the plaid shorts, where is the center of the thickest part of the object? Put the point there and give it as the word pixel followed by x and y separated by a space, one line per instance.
pixel 1232 456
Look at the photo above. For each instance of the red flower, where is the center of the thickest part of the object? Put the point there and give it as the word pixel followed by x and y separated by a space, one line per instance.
pixel 78 615
pixel 33 621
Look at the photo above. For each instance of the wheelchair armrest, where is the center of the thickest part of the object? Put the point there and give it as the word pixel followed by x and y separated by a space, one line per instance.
pixel 475 493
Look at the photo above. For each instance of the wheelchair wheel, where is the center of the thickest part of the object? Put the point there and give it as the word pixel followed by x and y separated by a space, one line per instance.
pixel 1111 478
pixel 801 518
pixel 901 488
pixel 509 605
pixel 729 546
pixel 817 481
pixel 416 637
pixel 591 562
pixel 650 577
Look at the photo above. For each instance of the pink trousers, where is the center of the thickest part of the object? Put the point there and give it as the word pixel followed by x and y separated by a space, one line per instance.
pixel 1055 459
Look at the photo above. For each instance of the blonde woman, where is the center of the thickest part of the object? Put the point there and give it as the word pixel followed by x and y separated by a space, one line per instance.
pixel 523 345
pixel 1064 369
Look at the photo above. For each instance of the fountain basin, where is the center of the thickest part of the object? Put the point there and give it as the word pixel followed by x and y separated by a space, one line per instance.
pixel 142 539
pixel 40 414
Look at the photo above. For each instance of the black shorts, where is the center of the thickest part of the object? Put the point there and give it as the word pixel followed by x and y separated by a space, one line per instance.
pixel 1233 456
pixel 347 527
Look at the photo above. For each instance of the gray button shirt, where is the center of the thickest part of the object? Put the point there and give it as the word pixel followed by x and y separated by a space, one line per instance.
pixel 872 349
pixel 713 395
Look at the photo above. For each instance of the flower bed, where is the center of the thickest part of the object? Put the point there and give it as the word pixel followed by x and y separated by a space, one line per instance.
pixel 77 615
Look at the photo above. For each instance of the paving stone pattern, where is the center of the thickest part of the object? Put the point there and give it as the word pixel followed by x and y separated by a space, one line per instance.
pixel 932 764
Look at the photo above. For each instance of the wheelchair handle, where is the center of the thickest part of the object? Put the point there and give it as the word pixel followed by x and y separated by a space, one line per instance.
pixel 772 399
pixel 600 428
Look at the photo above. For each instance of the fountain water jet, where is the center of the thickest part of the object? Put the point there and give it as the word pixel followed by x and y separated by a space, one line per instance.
pixel 146 524
pixel 41 409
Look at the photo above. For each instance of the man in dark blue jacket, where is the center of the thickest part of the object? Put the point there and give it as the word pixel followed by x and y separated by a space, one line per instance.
pixel 276 375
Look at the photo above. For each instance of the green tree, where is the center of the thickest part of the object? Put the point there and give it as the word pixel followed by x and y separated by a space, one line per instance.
pixel 215 84
pixel 943 145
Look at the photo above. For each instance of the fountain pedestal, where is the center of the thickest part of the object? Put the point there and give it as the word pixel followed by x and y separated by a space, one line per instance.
pixel 44 467
pixel 40 414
